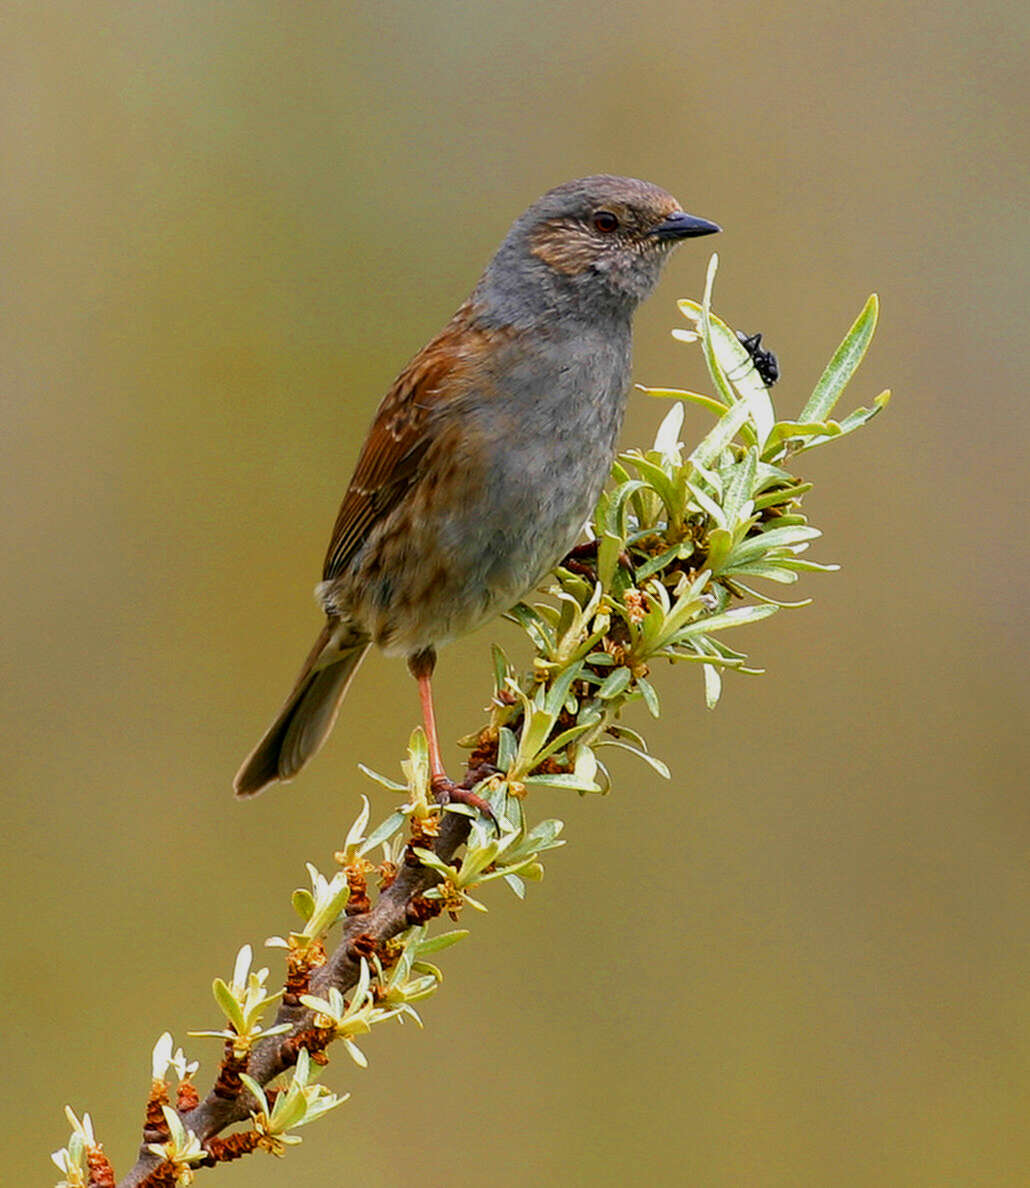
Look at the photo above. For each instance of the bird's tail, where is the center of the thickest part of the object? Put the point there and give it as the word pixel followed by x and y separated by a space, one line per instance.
pixel 304 722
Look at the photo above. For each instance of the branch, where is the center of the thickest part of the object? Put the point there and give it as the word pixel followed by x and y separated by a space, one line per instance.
pixel 362 935
pixel 677 543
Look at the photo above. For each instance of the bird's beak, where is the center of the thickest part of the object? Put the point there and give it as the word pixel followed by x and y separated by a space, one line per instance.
pixel 680 225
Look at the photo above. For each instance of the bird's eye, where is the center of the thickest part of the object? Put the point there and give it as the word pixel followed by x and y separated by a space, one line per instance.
pixel 606 222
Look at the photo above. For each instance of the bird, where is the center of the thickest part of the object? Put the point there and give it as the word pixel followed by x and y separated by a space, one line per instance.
pixel 486 456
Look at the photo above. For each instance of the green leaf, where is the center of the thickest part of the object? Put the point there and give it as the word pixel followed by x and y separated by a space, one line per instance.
pixel 507 748
pixel 534 626
pixel 618 473
pixel 740 485
pixel 615 683
pixel 428 858
pixel 705 402
pixel 713 685
pixel 853 421
pixel 382 780
pixel 614 519
pixel 782 495
pixel 784 431
pixel 842 366
pixel 862 416
pixel 738 367
pixel 562 740
pixel 804 566
pixel 773 601
pixel 720 541
pixel 543 836
pixel 667 439
pixel 757 547
pixel 500 663
pixel 707 504
pixel 435 944
pixel 644 571
pixel 653 762
pixel 228 1004
pixel 623 732
pixel 556 695
pixel 706 650
pixel 563 780
pixel 303 903
pixel 715 369
pixel 257 1092
pixel 725 430
pixel 764 569
pixel 329 910
pixel 382 832
pixel 686 607
pixel 650 696
pixel 600 660
pixel 662 483
pixel 608 549
pixel 731 618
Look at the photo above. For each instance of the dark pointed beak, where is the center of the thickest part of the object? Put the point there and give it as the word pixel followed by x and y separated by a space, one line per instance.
pixel 680 225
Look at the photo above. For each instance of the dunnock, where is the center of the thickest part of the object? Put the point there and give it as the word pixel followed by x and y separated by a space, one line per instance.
pixel 486 456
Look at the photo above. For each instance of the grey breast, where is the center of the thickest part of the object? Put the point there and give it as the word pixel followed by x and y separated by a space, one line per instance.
pixel 548 432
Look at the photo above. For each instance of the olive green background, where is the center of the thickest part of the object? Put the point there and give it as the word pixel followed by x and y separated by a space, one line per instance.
pixel 804 961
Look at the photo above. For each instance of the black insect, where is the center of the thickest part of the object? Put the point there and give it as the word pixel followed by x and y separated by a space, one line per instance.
pixel 765 361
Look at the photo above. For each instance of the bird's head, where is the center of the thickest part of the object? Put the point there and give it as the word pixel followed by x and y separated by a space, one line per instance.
pixel 593 244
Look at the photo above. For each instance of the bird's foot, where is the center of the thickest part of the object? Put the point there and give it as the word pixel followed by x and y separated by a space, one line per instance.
pixel 574 561
pixel 447 792
pixel 581 559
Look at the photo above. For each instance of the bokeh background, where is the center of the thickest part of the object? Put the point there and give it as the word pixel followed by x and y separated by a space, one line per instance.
pixel 804 961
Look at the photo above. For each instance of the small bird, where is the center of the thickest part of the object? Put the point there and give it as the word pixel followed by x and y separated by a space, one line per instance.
pixel 486 456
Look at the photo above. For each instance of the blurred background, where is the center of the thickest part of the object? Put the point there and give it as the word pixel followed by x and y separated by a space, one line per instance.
pixel 804 961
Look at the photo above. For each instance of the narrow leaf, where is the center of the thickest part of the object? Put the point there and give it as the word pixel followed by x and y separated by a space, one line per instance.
pixel 706 402
pixel 615 683
pixel 713 685
pixel 444 941
pixel 842 366
pixel 730 618
pixel 738 367
pixel 383 832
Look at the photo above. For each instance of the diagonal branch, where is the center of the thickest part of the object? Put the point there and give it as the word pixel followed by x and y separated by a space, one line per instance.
pixel 391 915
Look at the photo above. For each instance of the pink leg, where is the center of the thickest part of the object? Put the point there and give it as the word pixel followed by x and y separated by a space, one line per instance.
pixel 421 665
pixel 425 696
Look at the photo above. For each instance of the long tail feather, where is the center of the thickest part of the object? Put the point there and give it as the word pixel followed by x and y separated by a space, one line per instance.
pixel 306 718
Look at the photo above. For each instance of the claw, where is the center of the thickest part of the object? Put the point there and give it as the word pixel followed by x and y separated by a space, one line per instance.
pixel 447 792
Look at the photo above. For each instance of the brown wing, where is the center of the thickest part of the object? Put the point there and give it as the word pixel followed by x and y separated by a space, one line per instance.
pixel 400 435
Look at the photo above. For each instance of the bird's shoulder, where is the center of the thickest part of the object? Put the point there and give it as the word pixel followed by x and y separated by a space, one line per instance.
pixel 454 363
